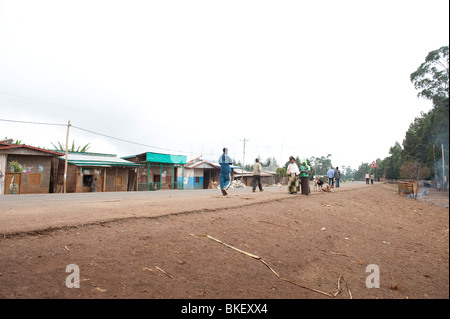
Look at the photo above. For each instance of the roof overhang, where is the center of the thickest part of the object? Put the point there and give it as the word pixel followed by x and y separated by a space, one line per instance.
pixel 22 149
pixel 97 160
pixel 151 157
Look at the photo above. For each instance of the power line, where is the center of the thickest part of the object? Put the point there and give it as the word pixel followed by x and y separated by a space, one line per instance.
pixel 127 141
pixel 101 134
pixel 139 144
pixel 27 122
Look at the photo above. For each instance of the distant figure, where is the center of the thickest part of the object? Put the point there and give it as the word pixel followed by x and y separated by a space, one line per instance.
pixel 330 175
pixel 367 178
pixel 225 171
pixel 304 177
pixel 94 185
pixel 337 176
pixel 257 169
pixel 293 172
pixel 371 179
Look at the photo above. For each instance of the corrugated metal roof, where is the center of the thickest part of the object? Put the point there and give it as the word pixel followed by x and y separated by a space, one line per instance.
pixel 198 162
pixel 103 160
pixel 202 164
pixel 152 157
pixel 5 146
pixel 206 164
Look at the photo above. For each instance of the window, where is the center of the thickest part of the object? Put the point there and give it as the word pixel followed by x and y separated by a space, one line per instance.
pixel 197 180
pixel 118 181
pixel 34 179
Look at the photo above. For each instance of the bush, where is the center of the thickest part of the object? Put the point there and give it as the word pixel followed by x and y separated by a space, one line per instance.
pixel 414 170
pixel 16 167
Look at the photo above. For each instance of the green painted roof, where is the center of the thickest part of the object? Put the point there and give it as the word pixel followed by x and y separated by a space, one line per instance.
pixel 166 158
pixel 163 158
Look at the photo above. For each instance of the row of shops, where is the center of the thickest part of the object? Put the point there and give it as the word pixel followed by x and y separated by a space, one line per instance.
pixel 42 171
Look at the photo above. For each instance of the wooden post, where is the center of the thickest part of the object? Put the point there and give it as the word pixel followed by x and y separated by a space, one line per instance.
pixel 137 179
pixel 148 176
pixel 104 180
pixel 172 179
pixel 55 162
pixel 161 175
pixel 435 182
pixel 115 179
pixel 444 178
pixel 65 161
pixel 78 179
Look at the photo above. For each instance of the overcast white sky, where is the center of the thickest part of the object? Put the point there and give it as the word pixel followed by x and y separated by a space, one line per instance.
pixel 306 78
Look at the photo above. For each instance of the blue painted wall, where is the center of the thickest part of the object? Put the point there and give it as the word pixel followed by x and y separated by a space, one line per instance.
pixel 191 183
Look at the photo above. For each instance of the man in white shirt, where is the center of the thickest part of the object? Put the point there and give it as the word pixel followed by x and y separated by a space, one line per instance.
pixel 257 169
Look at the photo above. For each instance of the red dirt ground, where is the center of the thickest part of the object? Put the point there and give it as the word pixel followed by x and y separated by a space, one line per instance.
pixel 154 247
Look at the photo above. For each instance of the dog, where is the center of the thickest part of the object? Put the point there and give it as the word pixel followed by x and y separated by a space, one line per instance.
pixel 326 188
pixel 320 184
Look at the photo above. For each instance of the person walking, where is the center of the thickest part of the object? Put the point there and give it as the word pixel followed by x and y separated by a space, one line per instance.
pixel 257 170
pixel 94 184
pixel 293 172
pixel 330 175
pixel 367 178
pixel 337 177
pixel 225 171
pixel 371 179
pixel 304 177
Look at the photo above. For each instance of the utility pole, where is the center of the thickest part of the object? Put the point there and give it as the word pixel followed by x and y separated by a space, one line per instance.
pixel 281 153
pixel 243 159
pixel 444 178
pixel 67 153
pixel 436 180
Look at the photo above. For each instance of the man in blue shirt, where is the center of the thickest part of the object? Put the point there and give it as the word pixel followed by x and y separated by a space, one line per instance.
pixel 225 171
pixel 330 175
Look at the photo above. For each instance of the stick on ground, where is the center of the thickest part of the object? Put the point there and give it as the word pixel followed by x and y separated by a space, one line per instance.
pixel 259 258
pixel 165 273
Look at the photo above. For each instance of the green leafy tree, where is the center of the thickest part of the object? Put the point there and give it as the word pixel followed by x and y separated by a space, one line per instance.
pixel 320 165
pixel 361 172
pixel 270 164
pixel 73 148
pixel 426 136
pixel 281 172
pixel 431 78
pixel 347 173
pixel 421 153
pixel 392 163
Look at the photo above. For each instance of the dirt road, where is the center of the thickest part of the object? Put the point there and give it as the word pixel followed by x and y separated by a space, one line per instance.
pixel 153 245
